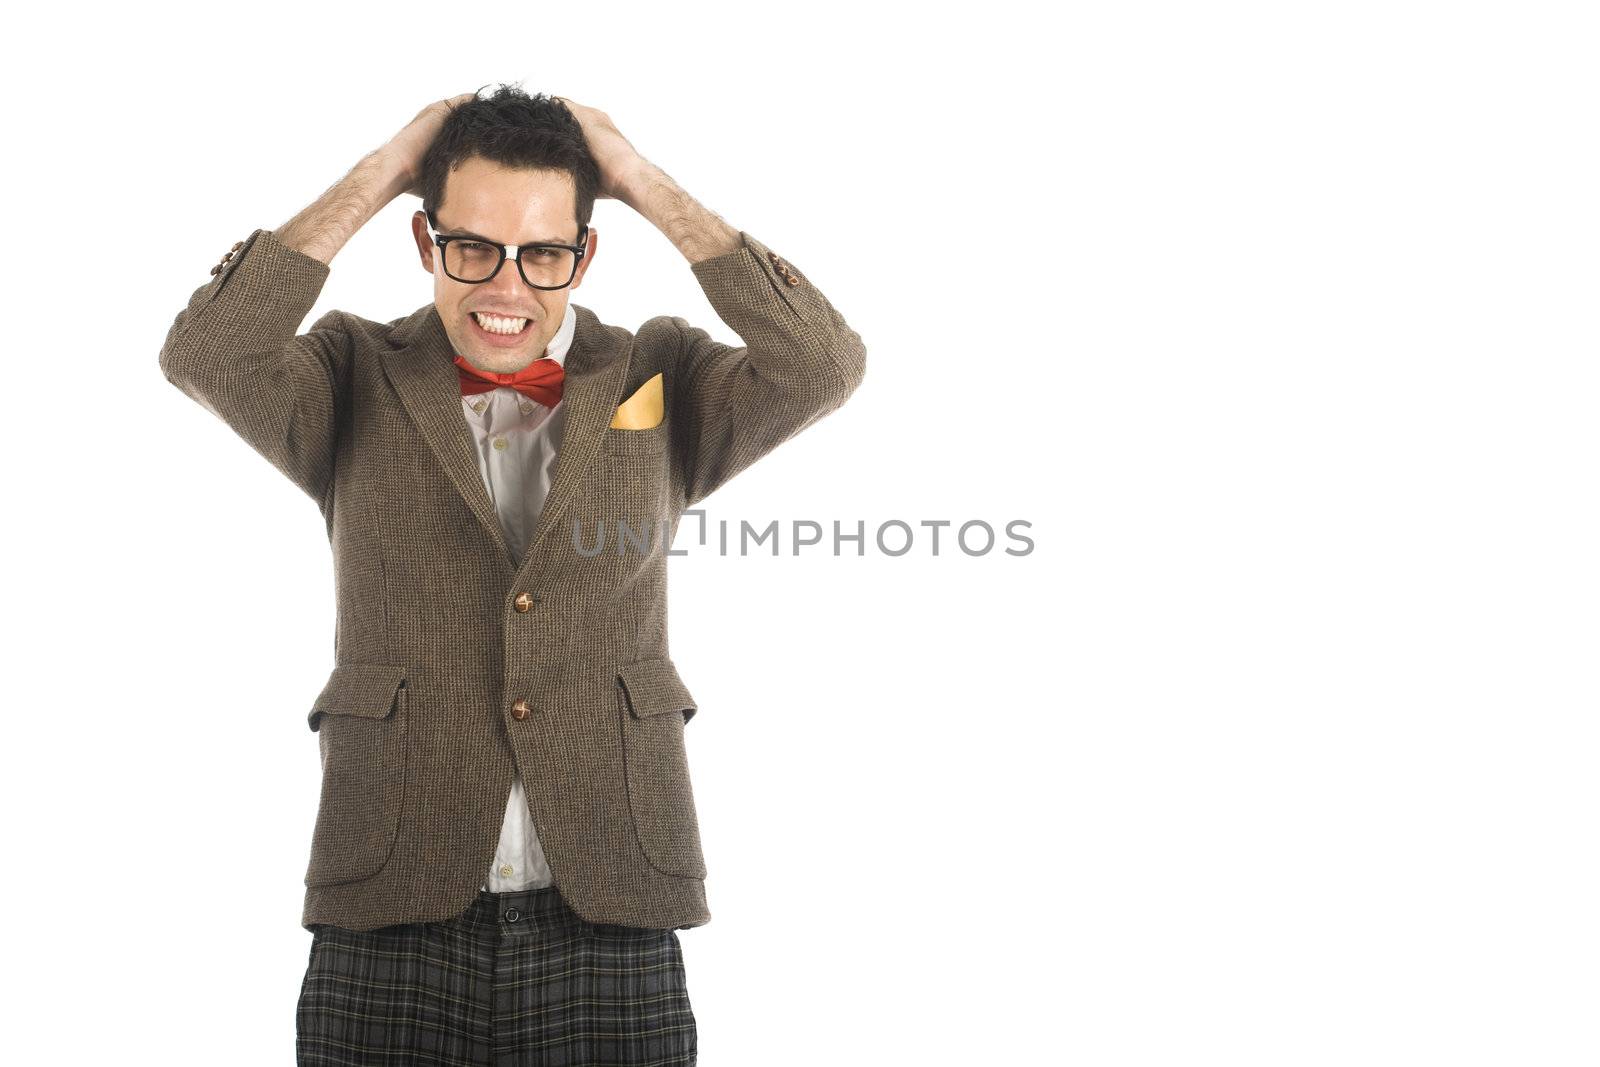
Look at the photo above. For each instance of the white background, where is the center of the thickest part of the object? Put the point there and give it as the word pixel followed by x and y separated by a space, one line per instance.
pixel 1276 321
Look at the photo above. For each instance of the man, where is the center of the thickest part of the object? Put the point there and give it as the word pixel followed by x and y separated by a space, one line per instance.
pixel 506 841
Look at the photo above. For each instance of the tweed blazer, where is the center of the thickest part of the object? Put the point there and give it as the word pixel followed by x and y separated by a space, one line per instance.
pixel 456 664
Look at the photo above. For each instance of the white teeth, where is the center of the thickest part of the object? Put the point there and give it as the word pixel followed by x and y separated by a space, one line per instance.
pixel 496 324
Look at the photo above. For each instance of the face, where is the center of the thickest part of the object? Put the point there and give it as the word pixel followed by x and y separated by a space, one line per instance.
pixel 511 206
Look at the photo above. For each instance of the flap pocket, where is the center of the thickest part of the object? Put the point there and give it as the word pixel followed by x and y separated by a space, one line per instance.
pixel 653 687
pixel 365 689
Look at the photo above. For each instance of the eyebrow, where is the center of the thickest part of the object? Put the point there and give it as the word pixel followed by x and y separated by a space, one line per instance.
pixel 454 231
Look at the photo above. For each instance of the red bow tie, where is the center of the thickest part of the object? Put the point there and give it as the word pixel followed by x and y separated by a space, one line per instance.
pixel 540 380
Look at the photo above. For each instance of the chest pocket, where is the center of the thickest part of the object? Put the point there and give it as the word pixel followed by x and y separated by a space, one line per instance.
pixel 637 442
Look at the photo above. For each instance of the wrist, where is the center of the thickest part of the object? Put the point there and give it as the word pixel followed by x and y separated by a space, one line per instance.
pixel 636 182
pixel 389 172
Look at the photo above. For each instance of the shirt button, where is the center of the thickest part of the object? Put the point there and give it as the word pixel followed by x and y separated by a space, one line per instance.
pixel 478 405
pixel 500 444
pixel 506 870
pixel 527 409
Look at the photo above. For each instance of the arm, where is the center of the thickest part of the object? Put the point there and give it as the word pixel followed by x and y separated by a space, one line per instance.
pixel 800 360
pixel 234 349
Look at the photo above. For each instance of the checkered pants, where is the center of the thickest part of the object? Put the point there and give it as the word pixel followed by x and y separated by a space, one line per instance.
pixel 516 979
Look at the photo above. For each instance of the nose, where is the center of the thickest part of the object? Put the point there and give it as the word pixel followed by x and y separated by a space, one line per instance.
pixel 508 281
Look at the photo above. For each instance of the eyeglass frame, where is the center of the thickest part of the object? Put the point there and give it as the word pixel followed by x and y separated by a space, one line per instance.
pixel 509 252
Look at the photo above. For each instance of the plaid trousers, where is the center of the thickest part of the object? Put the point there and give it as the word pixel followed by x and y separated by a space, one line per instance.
pixel 516 979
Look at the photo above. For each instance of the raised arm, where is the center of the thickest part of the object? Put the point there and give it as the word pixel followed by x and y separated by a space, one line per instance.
pixel 731 405
pixel 800 360
pixel 235 349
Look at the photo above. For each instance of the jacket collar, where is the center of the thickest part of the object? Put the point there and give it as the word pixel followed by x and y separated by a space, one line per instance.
pixel 421 370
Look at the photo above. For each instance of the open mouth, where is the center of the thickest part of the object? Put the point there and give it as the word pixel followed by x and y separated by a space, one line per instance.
pixel 500 327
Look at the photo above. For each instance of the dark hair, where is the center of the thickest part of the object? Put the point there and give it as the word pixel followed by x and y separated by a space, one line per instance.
pixel 515 130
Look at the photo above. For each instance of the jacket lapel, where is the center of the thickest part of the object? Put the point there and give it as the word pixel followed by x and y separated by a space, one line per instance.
pixel 428 384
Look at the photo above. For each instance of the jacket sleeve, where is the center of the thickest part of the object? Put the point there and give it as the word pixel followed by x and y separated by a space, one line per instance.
pixel 800 361
pixel 234 350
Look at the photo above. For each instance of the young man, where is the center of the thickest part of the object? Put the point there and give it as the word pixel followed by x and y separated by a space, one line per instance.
pixel 506 841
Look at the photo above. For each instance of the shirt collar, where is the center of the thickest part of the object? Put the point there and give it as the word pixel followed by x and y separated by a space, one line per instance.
pixel 562 341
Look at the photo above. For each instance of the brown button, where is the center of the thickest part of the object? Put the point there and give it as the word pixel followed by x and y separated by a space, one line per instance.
pixel 792 280
pixel 523 602
pixel 519 710
pixel 216 268
pixel 236 246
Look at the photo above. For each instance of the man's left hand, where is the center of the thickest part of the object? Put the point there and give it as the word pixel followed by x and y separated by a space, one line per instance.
pixel 620 164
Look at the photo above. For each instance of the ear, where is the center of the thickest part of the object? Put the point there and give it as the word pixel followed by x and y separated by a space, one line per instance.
pixel 588 257
pixel 425 246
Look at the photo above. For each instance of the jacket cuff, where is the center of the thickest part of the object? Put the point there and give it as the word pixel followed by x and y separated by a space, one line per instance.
pixel 764 297
pixel 266 286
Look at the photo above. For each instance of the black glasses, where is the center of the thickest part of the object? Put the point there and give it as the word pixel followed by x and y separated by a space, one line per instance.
pixel 543 266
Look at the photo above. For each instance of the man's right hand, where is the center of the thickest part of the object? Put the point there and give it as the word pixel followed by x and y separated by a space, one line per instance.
pixel 327 223
pixel 406 148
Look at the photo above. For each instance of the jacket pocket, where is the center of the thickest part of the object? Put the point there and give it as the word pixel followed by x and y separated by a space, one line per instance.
pixel 647 442
pixel 360 719
pixel 654 706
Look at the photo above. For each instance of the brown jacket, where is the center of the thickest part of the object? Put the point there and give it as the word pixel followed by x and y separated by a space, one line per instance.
pixel 456 663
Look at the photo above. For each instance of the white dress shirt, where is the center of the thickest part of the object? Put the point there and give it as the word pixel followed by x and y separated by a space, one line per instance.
pixel 517 439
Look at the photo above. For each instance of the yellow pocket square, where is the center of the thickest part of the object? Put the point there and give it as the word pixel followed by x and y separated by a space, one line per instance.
pixel 642 410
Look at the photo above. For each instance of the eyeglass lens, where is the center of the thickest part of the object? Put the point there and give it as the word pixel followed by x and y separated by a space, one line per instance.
pixel 474 261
